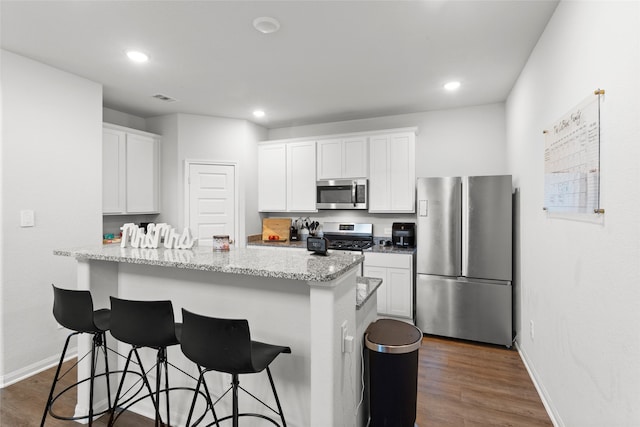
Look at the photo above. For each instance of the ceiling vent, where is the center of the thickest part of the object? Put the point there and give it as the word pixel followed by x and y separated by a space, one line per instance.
pixel 164 98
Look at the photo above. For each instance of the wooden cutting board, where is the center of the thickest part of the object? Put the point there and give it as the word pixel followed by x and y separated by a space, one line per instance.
pixel 276 227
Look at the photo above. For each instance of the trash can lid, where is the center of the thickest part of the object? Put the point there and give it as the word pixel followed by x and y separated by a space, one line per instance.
pixel 392 336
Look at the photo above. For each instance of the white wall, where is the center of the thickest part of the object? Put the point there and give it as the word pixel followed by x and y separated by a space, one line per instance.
pixel 464 141
pixel 123 119
pixel 205 138
pixel 51 161
pixel 580 281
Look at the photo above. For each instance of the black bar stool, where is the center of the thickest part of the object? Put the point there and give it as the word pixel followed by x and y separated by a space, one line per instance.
pixel 73 309
pixel 225 345
pixel 144 324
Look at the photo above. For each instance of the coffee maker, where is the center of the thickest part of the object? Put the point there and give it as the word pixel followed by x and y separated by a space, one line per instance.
pixel 403 234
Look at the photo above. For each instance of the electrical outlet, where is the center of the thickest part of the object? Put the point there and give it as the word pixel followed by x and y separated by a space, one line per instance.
pixel 387 231
pixel 531 330
pixel 343 335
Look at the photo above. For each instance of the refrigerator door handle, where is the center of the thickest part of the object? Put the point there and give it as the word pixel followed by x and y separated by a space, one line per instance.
pixel 465 226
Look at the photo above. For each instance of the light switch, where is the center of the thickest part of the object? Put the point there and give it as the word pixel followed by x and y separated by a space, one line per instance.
pixel 27 218
pixel 423 208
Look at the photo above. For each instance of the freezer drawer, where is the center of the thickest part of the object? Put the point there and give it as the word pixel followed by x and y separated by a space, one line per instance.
pixel 467 309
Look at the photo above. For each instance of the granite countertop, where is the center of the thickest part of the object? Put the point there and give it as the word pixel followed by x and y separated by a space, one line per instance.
pixel 252 260
pixel 365 287
pixel 297 244
pixel 377 248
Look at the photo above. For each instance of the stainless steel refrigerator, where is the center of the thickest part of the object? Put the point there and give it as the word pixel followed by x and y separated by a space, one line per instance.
pixel 464 261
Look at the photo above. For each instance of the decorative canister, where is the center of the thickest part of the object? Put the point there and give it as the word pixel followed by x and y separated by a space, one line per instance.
pixel 220 243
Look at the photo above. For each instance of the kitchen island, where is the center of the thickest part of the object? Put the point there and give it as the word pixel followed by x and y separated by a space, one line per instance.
pixel 290 298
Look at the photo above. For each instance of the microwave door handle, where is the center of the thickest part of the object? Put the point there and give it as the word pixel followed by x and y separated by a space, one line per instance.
pixel 354 187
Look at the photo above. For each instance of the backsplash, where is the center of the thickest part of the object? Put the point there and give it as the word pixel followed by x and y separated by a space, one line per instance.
pixel 381 222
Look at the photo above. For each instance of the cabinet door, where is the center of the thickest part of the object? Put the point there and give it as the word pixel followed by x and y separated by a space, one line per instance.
pixel 272 178
pixel 380 273
pixel 330 159
pixel 301 177
pixel 392 173
pixel 399 292
pixel 378 182
pixel 355 160
pixel 402 173
pixel 113 178
pixel 142 174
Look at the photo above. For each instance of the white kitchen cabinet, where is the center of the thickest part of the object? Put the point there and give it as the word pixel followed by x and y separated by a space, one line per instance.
pixel 301 176
pixel 343 158
pixel 395 295
pixel 272 178
pixel 287 177
pixel 130 171
pixel 392 173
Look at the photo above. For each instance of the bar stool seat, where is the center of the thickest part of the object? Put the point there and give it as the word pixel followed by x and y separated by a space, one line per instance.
pixel 73 309
pixel 225 345
pixel 143 324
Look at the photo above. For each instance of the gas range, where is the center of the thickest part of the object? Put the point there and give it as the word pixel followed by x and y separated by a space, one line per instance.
pixel 348 236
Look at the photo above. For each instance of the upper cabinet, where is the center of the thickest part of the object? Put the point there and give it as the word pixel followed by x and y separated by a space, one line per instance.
pixel 272 178
pixel 287 177
pixel 343 158
pixel 287 169
pixel 392 173
pixel 130 171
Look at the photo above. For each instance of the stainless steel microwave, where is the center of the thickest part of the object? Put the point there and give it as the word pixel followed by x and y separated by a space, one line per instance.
pixel 342 194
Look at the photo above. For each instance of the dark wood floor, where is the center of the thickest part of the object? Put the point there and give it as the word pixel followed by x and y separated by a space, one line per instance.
pixel 459 384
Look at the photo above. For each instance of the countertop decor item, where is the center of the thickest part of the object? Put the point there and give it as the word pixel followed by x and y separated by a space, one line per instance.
pixel 137 237
pixel 276 229
pixel 221 243
pixel 317 245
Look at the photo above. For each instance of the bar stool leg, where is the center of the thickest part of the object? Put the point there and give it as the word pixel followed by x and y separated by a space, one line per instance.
pixel 165 363
pixel 92 378
pixel 275 394
pixel 235 383
pixel 147 384
pixel 195 397
pixel 55 379
pixel 157 392
pixel 115 402
pixel 106 366
pixel 209 401
pixel 133 351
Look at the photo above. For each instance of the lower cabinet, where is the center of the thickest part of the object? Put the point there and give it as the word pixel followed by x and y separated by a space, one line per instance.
pixel 395 295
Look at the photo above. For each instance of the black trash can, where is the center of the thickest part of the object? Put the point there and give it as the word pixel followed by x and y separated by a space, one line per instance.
pixel 393 372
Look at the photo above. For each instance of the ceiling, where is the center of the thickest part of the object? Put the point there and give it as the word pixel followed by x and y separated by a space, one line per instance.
pixel 330 60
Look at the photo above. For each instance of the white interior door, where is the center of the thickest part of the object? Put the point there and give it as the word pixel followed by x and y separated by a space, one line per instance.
pixel 212 201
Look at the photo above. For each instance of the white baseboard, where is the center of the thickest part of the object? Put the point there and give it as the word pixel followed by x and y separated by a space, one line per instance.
pixel 35 368
pixel 539 388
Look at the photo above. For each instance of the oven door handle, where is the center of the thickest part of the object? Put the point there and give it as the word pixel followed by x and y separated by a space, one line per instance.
pixel 354 187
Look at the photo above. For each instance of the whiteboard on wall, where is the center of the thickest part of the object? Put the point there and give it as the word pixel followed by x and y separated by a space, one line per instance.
pixel 572 160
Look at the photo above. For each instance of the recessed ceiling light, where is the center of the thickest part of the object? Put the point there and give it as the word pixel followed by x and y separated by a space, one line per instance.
pixel 452 85
pixel 266 24
pixel 137 56
pixel 258 113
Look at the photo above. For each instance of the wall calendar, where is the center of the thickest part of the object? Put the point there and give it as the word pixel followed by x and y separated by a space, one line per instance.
pixel 572 160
